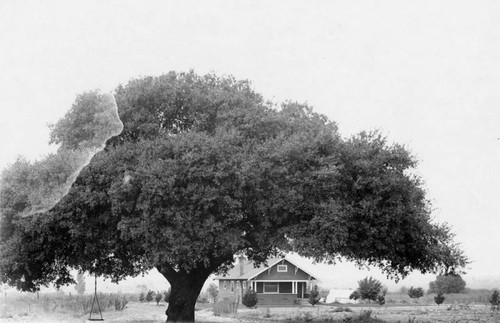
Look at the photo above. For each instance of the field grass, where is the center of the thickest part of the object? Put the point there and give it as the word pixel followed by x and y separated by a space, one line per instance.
pixel 59 307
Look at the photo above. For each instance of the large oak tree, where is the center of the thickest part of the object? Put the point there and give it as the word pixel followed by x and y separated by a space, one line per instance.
pixel 205 169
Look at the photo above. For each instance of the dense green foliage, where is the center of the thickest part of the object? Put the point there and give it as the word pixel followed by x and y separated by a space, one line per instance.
pixel 355 295
pixel 415 292
pixel 370 289
pixel 250 298
pixel 149 296
pixel 204 169
pixel 158 297
pixel 495 300
pixel 314 296
pixel 447 284
pixel 439 298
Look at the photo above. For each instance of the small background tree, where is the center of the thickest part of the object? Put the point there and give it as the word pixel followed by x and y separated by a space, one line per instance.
pixel 213 291
pixel 439 298
pixel 370 288
pixel 149 296
pixel 314 296
pixel 250 298
pixel 495 300
pixel 158 298
pixel 415 292
pixel 447 284
pixel 142 297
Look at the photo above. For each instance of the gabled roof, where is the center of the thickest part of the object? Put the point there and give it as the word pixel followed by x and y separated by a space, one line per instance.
pixel 249 271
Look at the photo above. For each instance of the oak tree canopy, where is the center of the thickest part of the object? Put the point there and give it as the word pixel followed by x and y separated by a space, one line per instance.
pixel 204 169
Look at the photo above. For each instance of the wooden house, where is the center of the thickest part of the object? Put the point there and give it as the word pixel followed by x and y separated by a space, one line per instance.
pixel 280 282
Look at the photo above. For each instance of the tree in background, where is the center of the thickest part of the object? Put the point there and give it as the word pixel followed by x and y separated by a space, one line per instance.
pixel 213 291
pixel 415 292
pixel 204 169
pixel 149 296
pixel 439 298
pixel 250 298
pixel 314 296
pixel 142 297
pixel 495 300
pixel 158 298
pixel 447 284
pixel 355 295
pixel 80 283
pixel 370 288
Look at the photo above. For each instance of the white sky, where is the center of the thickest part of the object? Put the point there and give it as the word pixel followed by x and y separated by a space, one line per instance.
pixel 425 72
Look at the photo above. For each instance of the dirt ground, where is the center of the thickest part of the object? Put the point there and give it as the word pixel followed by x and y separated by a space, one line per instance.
pixel 149 313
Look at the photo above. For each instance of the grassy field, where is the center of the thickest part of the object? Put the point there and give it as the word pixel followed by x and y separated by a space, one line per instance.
pixel 58 307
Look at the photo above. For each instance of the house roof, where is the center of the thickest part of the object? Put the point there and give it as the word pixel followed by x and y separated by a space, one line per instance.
pixel 249 271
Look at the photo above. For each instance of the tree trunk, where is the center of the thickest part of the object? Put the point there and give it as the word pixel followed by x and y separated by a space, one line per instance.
pixel 185 289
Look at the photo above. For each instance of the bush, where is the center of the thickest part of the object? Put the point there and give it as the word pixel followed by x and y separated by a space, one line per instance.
pixel 494 300
pixel 415 292
pixel 370 289
pixel 439 298
pixel 158 298
pixel 250 298
pixel 314 296
pixel 355 295
pixel 149 296
pixel 120 302
pixel 380 300
pixel 447 284
pixel 142 297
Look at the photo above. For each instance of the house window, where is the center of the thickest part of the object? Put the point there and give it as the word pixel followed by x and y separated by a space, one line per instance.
pixel 282 268
pixel 244 285
pixel 224 284
pixel 270 287
pixel 232 286
pixel 260 287
pixel 285 287
pixel 238 285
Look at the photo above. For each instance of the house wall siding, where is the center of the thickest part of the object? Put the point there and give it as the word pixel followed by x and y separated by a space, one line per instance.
pixel 290 275
pixel 277 299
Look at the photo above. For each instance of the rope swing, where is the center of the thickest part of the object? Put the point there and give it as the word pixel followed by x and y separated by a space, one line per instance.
pixel 95 300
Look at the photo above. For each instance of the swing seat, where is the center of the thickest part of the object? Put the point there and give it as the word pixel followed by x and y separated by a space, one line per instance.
pixel 96 319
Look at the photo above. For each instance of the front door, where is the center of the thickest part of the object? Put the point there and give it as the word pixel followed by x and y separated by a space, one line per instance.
pixel 300 290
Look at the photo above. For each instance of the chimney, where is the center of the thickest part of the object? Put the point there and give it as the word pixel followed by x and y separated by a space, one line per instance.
pixel 242 268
